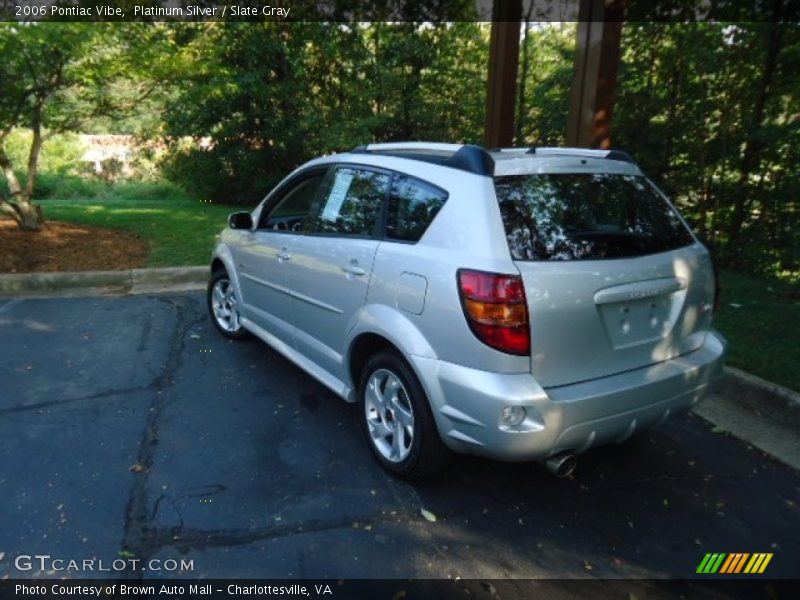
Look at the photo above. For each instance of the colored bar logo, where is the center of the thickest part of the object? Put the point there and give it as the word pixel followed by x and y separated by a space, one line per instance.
pixel 734 563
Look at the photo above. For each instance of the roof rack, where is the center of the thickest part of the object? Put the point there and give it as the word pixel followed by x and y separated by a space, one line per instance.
pixel 466 157
pixel 522 150
pixel 474 159
pixel 586 152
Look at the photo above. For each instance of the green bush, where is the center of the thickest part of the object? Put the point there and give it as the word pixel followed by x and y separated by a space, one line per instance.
pixel 144 191
pixel 64 174
pixel 55 186
pixel 60 154
pixel 234 176
pixel 67 187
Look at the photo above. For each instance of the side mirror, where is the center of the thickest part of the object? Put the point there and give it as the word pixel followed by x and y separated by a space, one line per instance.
pixel 240 220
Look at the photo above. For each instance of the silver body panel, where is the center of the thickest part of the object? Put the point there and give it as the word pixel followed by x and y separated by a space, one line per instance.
pixel 591 319
pixel 616 345
pixel 571 418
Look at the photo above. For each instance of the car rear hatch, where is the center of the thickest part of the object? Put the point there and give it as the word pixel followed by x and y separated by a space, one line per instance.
pixel 614 280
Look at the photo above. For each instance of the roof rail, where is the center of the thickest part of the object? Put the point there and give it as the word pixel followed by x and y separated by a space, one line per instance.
pixel 522 150
pixel 466 157
pixel 587 152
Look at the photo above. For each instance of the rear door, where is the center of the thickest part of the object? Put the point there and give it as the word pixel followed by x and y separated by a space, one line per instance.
pixel 613 278
pixel 332 264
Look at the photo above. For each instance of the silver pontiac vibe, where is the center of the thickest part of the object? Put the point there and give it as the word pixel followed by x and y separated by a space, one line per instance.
pixel 521 304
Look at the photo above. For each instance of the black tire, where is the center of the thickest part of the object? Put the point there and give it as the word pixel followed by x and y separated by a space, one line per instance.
pixel 425 454
pixel 220 277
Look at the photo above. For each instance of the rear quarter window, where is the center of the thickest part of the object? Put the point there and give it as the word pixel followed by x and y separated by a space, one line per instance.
pixel 586 216
pixel 413 204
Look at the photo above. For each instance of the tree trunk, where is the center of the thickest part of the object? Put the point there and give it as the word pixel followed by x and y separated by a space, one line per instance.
pixel 31 217
pixel 25 213
pixel 8 209
pixel 13 183
pixel 36 148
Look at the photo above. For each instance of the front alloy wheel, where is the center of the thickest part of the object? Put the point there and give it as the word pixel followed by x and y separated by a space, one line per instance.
pixel 223 306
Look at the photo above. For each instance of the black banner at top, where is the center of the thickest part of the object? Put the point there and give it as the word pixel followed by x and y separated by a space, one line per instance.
pixel 395 10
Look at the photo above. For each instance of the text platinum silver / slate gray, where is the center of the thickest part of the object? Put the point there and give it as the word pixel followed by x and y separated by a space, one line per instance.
pixel 520 304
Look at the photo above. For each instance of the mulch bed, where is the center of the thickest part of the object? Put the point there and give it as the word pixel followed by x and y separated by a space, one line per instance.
pixel 66 247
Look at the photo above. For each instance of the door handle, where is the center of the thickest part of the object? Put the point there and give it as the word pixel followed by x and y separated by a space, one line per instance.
pixel 353 269
pixel 283 255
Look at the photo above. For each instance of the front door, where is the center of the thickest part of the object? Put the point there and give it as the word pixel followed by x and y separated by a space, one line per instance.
pixel 264 260
pixel 332 264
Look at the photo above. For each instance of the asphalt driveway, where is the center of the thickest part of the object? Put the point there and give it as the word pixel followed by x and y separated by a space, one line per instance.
pixel 130 428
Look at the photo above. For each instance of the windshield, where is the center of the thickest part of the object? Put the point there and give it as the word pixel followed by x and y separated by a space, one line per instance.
pixel 586 216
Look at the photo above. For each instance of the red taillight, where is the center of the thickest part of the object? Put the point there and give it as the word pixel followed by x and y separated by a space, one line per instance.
pixel 496 310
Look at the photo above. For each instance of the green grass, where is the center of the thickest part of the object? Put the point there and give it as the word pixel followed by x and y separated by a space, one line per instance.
pixel 764 329
pixel 180 230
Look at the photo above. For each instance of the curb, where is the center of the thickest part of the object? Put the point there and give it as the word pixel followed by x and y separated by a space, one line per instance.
pixel 761 413
pixel 757 392
pixel 105 282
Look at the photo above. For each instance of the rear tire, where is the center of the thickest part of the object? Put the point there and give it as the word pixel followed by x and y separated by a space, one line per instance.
pixel 223 306
pixel 397 420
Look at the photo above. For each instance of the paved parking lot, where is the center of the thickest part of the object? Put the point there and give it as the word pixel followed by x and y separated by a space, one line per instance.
pixel 130 428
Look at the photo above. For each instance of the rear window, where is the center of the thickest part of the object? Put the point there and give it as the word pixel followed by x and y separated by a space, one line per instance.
pixel 586 216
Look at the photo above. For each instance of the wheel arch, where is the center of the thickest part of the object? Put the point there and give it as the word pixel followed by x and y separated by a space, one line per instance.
pixel 223 259
pixel 361 349
pixel 217 264
pixel 380 327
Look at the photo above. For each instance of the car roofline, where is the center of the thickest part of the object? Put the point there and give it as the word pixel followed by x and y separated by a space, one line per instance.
pixel 476 159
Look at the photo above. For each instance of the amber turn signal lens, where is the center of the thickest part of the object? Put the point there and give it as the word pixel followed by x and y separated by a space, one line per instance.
pixel 504 315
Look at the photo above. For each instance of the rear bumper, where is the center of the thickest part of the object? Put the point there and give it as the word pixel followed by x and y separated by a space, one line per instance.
pixel 467 404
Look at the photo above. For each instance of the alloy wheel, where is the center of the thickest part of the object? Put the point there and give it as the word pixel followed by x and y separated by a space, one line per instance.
pixel 390 415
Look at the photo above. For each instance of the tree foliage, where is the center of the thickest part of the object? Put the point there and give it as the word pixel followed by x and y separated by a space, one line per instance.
pixel 546 67
pixel 55 78
pixel 711 111
pixel 273 95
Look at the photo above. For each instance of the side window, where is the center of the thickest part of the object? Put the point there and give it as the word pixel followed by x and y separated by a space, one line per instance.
pixel 290 213
pixel 352 203
pixel 412 206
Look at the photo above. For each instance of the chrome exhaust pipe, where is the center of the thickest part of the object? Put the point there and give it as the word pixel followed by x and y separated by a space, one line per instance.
pixel 562 465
